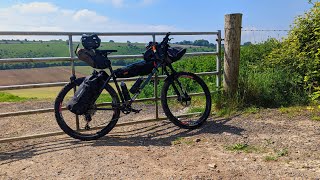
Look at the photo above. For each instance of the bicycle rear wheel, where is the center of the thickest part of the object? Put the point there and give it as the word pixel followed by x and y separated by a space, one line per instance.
pixel 186 100
pixel 99 121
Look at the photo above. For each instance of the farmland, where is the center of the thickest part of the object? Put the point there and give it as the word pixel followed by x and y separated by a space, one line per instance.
pixel 26 73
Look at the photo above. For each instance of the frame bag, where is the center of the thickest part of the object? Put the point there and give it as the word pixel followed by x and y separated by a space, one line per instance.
pixel 86 95
pixel 140 68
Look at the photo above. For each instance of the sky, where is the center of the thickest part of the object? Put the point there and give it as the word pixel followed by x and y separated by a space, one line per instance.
pixel 148 15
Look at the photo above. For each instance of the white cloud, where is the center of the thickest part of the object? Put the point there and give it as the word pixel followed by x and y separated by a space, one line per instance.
pixel 21 18
pixel 86 15
pixel 124 3
pixel 115 3
pixel 35 8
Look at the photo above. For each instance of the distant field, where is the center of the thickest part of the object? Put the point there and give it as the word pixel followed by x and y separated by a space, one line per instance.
pixel 88 70
pixel 45 93
pixel 42 75
pixel 35 75
pixel 38 93
pixel 61 73
pixel 61 49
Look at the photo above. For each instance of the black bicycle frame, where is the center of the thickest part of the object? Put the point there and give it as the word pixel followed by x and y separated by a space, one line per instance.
pixel 148 79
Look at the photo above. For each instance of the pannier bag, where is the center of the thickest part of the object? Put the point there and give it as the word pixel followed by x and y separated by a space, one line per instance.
pixel 175 53
pixel 85 96
pixel 140 68
pixel 93 58
pixel 90 41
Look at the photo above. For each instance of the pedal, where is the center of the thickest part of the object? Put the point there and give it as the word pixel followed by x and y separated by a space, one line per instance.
pixel 87 127
pixel 136 110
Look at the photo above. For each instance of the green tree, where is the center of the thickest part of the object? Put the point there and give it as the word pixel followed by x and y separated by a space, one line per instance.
pixel 300 52
pixel 201 42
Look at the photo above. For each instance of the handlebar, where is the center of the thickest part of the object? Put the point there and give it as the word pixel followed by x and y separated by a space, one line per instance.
pixel 166 38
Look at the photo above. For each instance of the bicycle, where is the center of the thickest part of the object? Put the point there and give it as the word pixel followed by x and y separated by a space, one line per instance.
pixel 180 90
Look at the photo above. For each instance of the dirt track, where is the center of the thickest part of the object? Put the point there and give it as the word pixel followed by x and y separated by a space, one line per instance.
pixel 264 145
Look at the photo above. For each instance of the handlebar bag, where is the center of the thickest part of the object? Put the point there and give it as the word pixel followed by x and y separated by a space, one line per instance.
pixel 93 58
pixel 86 95
pixel 175 53
pixel 140 68
pixel 148 55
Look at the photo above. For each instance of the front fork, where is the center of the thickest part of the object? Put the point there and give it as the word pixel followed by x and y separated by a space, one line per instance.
pixel 183 96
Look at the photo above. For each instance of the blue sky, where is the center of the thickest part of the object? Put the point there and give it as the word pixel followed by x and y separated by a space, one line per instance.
pixel 145 15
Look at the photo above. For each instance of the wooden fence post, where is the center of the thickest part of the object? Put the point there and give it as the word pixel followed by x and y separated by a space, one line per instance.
pixel 232 31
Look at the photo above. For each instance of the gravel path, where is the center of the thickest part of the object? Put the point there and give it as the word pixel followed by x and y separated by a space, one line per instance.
pixel 269 144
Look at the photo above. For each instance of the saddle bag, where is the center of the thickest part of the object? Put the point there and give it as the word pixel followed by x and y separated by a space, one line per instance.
pixel 140 68
pixel 93 58
pixel 86 95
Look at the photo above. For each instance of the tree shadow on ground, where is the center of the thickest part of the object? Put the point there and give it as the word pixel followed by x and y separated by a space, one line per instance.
pixel 158 134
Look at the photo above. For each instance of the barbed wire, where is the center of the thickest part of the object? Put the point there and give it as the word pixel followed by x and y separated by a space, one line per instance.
pixel 266 30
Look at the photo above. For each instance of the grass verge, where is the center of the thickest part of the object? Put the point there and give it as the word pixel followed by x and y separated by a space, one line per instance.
pixel 7 97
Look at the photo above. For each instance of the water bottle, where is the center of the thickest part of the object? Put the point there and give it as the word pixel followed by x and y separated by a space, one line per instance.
pixel 125 91
pixel 136 86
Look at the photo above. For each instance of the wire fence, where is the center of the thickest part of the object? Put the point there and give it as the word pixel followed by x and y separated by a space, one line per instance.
pixel 255 36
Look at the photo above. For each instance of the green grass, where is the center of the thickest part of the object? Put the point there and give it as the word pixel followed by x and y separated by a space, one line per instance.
pixel 26 50
pixel 104 98
pixel 251 110
pixel 315 118
pixel 7 97
pixel 182 140
pixel 291 111
pixel 61 49
pixel 39 93
pixel 270 158
pixel 49 93
pixel 242 147
pixel 196 109
pixel 280 153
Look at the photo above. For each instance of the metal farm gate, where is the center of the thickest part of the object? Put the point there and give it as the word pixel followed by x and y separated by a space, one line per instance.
pixel 72 58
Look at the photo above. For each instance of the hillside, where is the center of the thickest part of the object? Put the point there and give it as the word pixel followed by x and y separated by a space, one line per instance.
pixel 27 49
pixel 36 75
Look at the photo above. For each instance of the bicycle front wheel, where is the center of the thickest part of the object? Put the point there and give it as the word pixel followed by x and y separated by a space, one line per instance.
pixel 99 120
pixel 186 100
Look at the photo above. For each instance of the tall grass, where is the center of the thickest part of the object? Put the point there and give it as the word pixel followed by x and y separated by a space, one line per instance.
pixel 263 85
pixel 269 88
